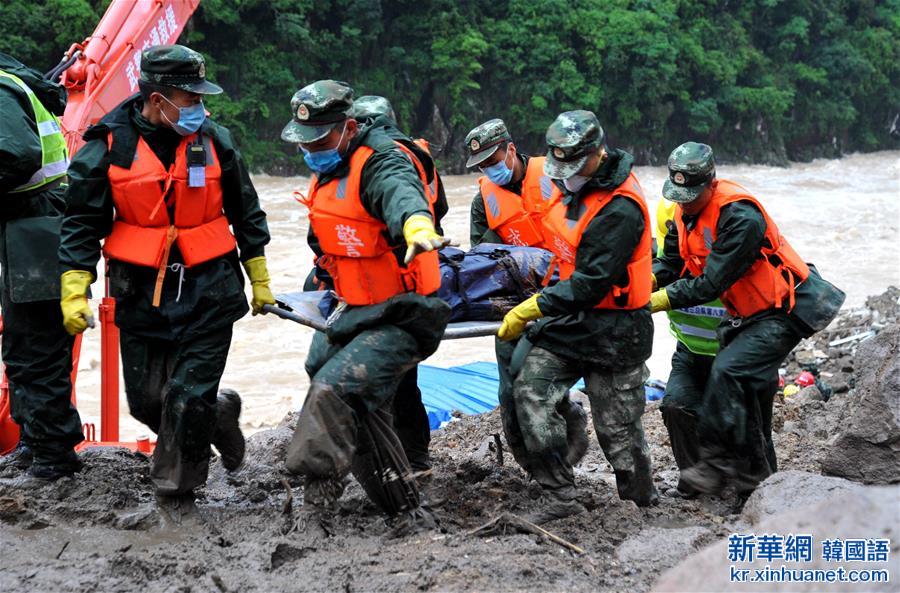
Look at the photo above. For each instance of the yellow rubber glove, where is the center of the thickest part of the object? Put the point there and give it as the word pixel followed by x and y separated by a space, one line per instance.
pixel 77 315
pixel 418 230
pixel 659 301
pixel 655 284
pixel 515 321
pixel 259 282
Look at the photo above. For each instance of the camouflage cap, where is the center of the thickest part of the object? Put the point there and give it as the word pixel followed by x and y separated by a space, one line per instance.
pixel 571 138
pixel 177 66
pixel 317 108
pixel 484 140
pixel 691 167
pixel 369 106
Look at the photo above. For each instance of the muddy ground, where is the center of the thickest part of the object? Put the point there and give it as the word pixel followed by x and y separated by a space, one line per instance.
pixel 99 531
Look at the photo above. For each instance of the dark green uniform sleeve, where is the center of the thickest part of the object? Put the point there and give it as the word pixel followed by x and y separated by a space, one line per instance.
pixel 601 260
pixel 239 199
pixel 740 233
pixel 479 231
pixel 392 191
pixel 668 266
pixel 20 145
pixel 89 209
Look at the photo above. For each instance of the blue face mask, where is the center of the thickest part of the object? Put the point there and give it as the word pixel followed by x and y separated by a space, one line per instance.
pixel 499 173
pixel 189 118
pixel 324 161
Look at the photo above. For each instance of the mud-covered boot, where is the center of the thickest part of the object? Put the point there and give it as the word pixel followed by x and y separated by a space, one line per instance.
pixel 179 510
pixel 320 501
pixel 636 487
pixel 412 522
pixel 702 477
pixel 576 430
pixel 228 438
pixel 556 504
pixel 17 460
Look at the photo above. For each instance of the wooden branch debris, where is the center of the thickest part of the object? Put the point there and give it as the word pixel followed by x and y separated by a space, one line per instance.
pixel 504 520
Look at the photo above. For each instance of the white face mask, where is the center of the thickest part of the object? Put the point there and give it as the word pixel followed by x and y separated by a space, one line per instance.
pixel 575 183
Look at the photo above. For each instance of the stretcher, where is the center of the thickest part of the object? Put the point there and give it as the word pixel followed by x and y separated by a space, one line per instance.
pixel 303 308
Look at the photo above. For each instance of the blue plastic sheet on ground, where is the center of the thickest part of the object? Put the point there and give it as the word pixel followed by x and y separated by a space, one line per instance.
pixel 472 389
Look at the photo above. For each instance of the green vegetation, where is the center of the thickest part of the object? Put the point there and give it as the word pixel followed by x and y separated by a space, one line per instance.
pixel 761 80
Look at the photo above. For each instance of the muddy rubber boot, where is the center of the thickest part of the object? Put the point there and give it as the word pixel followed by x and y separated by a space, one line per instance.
pixel 320 497
pixel 18 459
pixel 228 438
pixel 556 504
pixel 428 496
pixel 576 430
pixel 412 522
pixel 178 511
pixel 703 478
pixel 636 488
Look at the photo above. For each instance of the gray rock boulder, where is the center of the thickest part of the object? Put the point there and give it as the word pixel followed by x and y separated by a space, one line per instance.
pixel 790 490
pixel 859 512
pixel 867 448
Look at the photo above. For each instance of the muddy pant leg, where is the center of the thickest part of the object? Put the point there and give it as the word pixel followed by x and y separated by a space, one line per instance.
pixel 617 403
pixel 37 353
pixel 681 405
pixel 181 457
pixel 506 353
pixel 538 389
pixel 355 382
pixel 735 424
pixel 146 366
pixel 411 421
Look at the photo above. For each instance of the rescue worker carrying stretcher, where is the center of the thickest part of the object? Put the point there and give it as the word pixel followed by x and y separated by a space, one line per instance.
pixel 514 192
pixel 168 191
pixel 372 230
pixel 410 417
pixel 594 323
pixel 724 245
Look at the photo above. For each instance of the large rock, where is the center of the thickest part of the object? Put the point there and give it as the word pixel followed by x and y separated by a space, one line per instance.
pixel 868 448
pixel 790 490
pixel 862 512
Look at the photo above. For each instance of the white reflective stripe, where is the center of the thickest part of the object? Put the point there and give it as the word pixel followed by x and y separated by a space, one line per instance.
pixel 696 331
pixel 705 311
pixel 48 128
pixel 45 172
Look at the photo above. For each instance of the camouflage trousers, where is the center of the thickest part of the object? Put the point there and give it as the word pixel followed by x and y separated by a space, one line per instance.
pixel 346 424
pixel 535 387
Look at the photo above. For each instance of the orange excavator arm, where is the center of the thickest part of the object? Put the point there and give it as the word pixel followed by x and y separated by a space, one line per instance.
pixel 103 70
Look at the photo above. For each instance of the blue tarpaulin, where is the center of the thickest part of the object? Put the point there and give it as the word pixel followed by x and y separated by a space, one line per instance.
pixel 472 389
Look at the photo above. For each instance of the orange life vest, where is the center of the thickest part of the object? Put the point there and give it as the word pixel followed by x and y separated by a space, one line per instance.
pixel 431 189
pixel 143 232
pixel 517 218
pixel 562 236
pixel 769 282
pixel 356 252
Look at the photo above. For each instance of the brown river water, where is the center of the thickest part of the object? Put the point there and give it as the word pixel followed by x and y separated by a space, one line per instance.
pixel 843 215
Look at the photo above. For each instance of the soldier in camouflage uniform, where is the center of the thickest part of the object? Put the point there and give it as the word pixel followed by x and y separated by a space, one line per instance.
pixel 493 152
pixel 573 338
pixel 356 365
pixel 410 417
pixel 731 395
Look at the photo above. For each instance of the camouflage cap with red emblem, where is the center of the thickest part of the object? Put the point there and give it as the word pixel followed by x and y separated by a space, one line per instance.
pixel 484 140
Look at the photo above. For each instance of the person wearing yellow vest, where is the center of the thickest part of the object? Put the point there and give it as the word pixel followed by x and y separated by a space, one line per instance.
pixel 37 352
pixel 695 329
pixel 372 230
pixel 167 191
pixel 725 245
pixel 594 323
pixel 513 190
